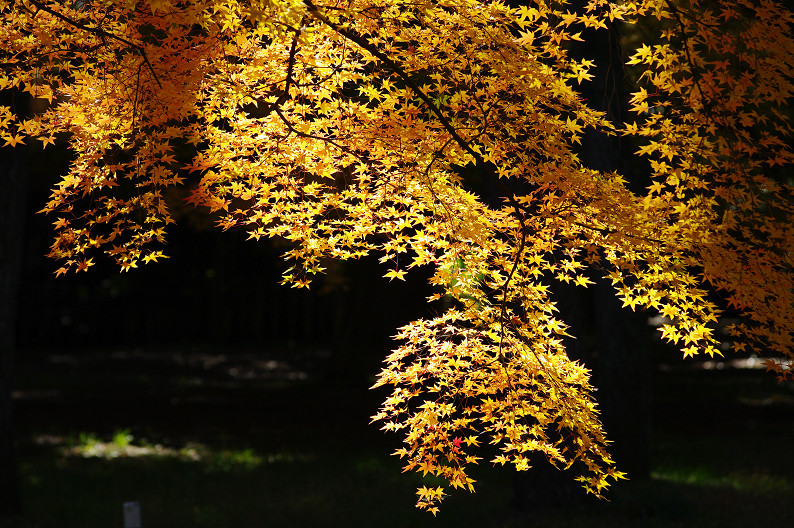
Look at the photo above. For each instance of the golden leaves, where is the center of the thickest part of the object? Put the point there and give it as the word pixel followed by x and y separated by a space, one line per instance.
pixel 466 375
pixel 346 130
pixel 716 99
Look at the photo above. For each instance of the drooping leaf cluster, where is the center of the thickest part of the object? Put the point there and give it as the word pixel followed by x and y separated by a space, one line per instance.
pixel 714 110
pixel 340 126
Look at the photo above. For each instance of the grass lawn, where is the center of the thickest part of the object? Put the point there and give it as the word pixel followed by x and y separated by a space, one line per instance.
pixel 200 449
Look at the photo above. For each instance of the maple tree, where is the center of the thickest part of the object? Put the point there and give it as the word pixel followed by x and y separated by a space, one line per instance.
pixel 341 126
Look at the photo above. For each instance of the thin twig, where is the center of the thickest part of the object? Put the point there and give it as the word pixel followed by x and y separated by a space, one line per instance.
pixel 100 33
pixel 396 68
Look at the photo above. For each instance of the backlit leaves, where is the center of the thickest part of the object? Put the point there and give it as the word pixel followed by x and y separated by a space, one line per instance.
pixel 341 128
pixel 714 116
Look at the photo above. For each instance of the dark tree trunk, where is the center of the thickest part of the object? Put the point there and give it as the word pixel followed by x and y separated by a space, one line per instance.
pixel 612 341
pixel 12 194
pixel 619 354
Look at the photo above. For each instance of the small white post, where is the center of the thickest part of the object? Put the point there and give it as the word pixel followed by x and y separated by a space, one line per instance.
pixel 132 514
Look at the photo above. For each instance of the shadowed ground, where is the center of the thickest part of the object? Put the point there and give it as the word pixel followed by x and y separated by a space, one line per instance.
pixel 260 439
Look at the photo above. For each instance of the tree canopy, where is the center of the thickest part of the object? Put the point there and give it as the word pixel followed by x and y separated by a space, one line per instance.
pixel 342 126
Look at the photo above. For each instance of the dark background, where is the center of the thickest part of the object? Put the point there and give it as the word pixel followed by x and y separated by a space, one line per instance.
pixel 206 347
pixel 216 290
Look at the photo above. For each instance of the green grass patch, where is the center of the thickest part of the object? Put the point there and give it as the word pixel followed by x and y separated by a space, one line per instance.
pixel 245 457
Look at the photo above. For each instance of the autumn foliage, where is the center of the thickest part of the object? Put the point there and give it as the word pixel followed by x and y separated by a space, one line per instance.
pixel 341 126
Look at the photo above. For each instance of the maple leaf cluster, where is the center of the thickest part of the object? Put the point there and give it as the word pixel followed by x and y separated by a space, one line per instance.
pixel 340 127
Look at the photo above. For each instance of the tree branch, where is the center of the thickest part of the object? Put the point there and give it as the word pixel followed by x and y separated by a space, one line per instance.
pixel 100 33
pixel 293 52
pixel 367 45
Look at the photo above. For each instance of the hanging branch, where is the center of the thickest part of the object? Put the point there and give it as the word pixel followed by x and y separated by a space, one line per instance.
pixel 98 31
